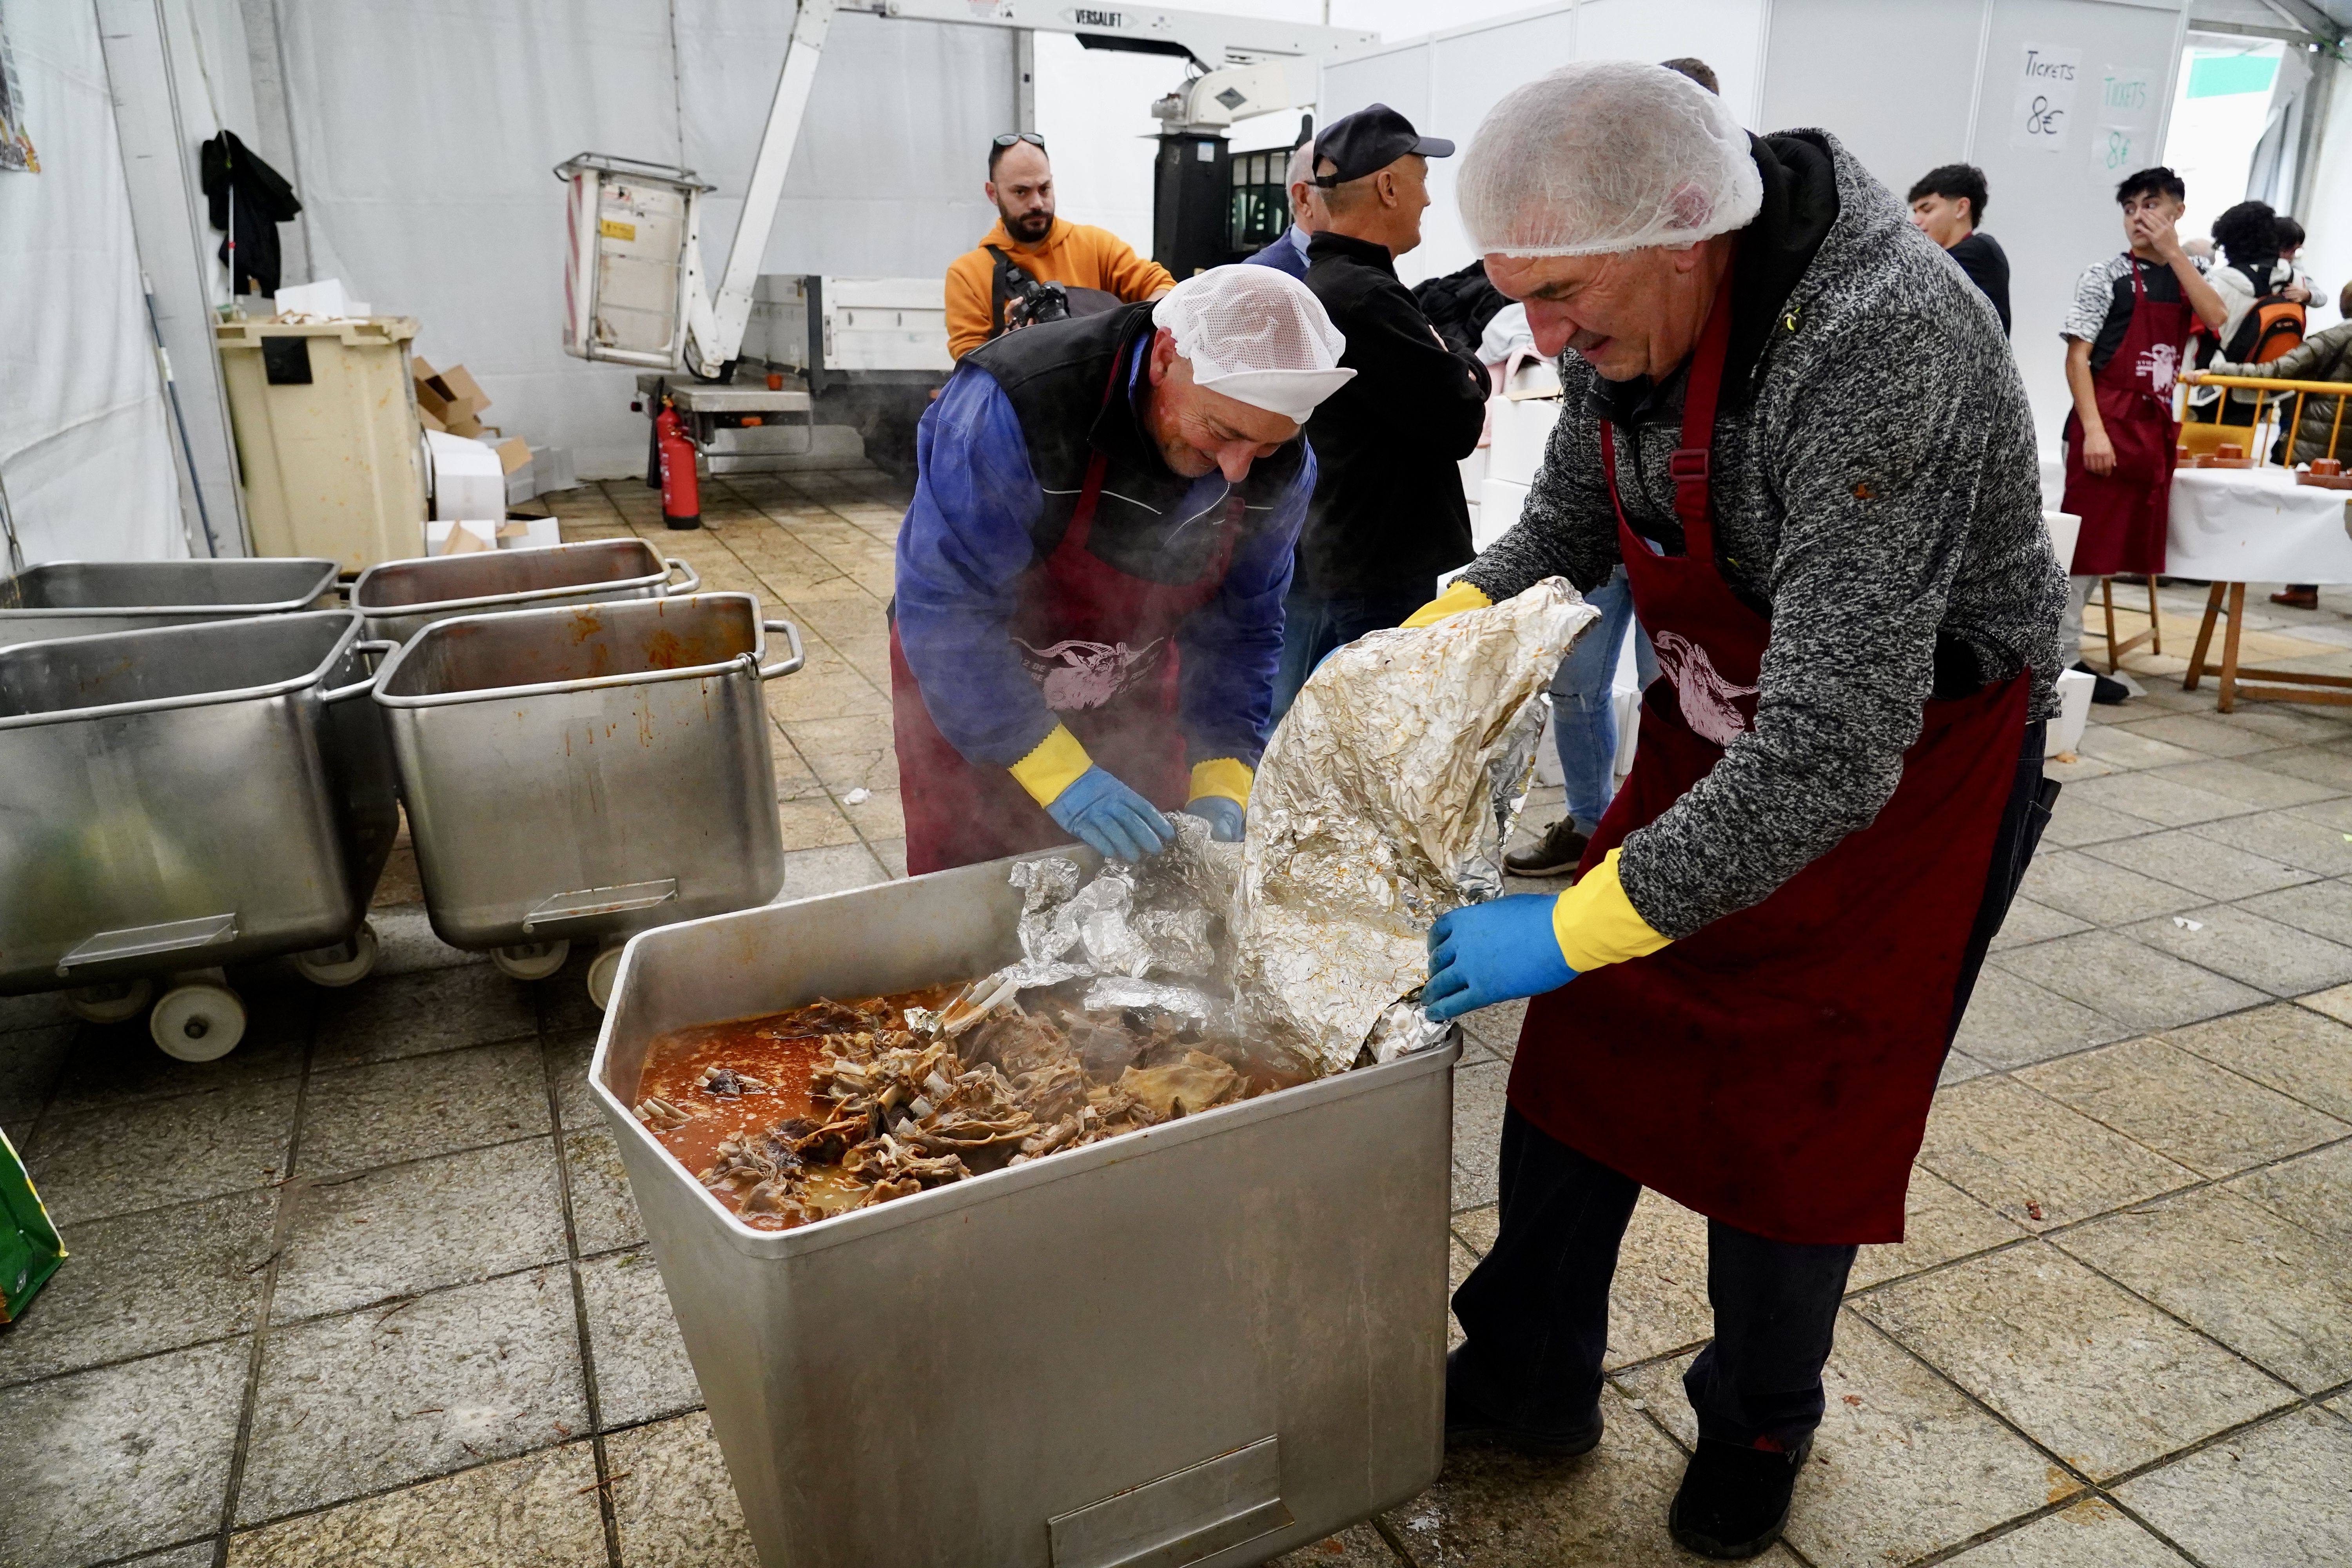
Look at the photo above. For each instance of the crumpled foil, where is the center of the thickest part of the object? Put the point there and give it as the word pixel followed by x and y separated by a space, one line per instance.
pixel 1384 799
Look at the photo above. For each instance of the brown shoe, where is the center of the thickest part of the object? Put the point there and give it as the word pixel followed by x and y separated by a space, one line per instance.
pixel 1556 854
pixel 2298 597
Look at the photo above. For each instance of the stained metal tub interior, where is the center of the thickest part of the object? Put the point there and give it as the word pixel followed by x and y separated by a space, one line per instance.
pixel 618 641
pixel 214 660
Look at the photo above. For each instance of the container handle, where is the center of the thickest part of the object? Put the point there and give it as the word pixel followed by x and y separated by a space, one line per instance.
pixel 693 578
pixel 378 645
pixel 792 636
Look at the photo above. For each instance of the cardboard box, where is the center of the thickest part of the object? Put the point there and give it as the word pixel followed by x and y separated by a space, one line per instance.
pixel 513 453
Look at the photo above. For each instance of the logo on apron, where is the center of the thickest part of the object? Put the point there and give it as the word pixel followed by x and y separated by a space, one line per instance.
pixel 2158 362
pixel 1075 674
pixel 1710 704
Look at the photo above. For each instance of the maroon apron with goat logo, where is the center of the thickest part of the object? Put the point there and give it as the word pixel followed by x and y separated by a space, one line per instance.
pixel 1101 645
pixel 2126 513
pixel 1773 1069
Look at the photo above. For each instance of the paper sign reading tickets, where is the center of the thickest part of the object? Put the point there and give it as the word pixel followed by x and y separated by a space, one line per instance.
pixel 614 229
pixel 2042 115
pixel 2126 118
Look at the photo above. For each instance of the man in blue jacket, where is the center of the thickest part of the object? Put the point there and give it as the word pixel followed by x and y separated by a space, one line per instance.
pixel 1090 579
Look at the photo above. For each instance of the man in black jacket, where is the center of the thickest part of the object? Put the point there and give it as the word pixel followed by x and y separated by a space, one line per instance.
pixel 1388 515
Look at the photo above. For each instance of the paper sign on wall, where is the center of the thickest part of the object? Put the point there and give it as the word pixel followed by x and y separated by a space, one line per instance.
pixel 2043 116
pixel 2126 139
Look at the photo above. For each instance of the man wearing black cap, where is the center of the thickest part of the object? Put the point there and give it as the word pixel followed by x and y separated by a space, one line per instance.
pixel 1388 515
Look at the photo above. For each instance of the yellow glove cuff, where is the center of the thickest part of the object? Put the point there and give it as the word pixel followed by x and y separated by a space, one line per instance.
pixel 1053 767
pixel 1227 776
pixel 1596 924
pixel 1459 595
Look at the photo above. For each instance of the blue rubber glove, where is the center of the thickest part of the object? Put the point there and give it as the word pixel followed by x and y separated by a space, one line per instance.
pixel 1222 813
pixel 1110 818
pixel 1495 952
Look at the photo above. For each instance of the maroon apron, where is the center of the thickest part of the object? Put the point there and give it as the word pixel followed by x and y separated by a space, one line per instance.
pixel 1773 1069
pixel 1100 644
pixel 2125 513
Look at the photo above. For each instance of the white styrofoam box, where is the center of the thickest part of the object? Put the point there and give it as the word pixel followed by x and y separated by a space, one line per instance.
pixel 522 485
pixel 1473 473
pixel 2053 483
pixel 553 468
pixel 1498 511
pixel 1548 768
pixel 325 298
pixel 2073 711
pixel 1521 426
pixel 2065 529
pixel 468 480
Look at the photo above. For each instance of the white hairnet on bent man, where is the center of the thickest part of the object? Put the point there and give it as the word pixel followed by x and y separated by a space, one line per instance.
pixel 1258 335
pixel 1606 156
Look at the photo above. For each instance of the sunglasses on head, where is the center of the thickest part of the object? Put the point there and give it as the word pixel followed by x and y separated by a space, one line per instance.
pixel 1009 137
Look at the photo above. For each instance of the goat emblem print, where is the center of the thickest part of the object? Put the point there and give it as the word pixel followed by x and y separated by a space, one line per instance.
pixel 1074 675
pixel 1710 704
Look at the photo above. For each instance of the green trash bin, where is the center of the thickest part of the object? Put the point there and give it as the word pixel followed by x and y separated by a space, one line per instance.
pixel 29 1248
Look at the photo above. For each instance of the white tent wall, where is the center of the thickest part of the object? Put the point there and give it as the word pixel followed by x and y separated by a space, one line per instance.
pixel 179 78
pixel 1904 84
pixel 422 136
pixel 84 454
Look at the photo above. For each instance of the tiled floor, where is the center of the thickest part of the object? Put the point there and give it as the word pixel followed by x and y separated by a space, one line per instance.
pixel 371 1290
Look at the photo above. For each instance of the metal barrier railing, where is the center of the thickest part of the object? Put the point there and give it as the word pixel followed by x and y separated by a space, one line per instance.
pixel 2267 413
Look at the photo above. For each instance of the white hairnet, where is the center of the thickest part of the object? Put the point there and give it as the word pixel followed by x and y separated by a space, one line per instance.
pixel 1257 335
pixel 1606 156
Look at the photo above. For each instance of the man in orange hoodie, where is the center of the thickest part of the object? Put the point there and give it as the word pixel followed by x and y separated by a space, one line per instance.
pixel 1030 243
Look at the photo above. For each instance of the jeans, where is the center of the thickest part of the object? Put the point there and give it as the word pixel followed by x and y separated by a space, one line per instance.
pixel 1536 1309
pixel 1313 627
pixel 1584 704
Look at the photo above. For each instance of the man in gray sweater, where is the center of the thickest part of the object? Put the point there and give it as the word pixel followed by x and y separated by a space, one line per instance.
pixel 1804 435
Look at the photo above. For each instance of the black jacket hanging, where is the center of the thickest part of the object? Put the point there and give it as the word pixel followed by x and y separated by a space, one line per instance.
pixel 262 200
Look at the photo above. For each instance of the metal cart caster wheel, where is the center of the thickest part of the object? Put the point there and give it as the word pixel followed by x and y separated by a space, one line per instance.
pixel 601 972
pixel 197 1023
pixel 115 1001
pixel 347 963
pixel 530 960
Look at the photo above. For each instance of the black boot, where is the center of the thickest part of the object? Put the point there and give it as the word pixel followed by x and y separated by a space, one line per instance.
pixel 1465 1423
pixel 1734 1500
pixel 2105 690
pixel 1556 854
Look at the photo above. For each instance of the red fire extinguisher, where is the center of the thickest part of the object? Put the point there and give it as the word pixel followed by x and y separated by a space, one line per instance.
pixel 681 496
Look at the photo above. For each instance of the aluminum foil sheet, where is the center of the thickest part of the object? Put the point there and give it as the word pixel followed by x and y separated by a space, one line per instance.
pixel 1384 799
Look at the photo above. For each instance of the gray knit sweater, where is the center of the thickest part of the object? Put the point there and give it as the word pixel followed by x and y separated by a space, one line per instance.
pixel 1877 495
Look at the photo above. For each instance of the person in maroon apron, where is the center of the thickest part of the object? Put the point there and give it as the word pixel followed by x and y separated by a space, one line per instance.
pixel 1090 578
pixel 1746 1000
pixel 2125 341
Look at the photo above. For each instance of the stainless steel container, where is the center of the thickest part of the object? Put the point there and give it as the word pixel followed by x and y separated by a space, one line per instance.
pixel 589 771
pixel 400 598
pixel 1206 1343
pixel 83 598
pixel 186 797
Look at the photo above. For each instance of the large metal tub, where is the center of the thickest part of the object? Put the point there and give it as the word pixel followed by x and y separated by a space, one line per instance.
pixel 186 797
pixel 588 772
pixel 84 598
pixel 1206 1343
pixel 400 598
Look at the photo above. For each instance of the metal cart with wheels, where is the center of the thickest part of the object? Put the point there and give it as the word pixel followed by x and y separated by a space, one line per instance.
pixel 583 773
pixel 83 598
pixel 185 799
pixel 400 598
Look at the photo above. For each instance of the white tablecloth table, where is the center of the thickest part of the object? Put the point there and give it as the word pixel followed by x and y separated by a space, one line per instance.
pixel 2256 525
pixel 2236 526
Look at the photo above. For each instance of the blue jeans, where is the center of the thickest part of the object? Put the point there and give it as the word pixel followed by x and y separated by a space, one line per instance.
pixel 1313 627
pixel 1583 705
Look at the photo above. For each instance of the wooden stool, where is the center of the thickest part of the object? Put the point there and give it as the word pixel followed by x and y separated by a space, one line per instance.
pixel 2153 636
pixel 2332 688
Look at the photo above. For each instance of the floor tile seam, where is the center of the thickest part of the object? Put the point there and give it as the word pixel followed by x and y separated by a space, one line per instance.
pixel 802 542
pixel 2093 849
pixel 2011 1526
pixel 2011 1075
pixel 527 1032
pixel 280 1232
pixel 402 1300
pixel 145 1551
pixel 2160 1036
pixel 1393 1540
pixel 589 1391
pixel 113 1363
pixel 334 1178
pixel 372 1494
pixel 2267 994
pixel 2159 1308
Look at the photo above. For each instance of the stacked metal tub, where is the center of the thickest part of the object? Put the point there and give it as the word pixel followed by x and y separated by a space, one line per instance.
pixel 186 797
pixel 584 772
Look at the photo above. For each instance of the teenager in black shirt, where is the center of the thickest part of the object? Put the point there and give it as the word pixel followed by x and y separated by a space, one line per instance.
pixel 1946 205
